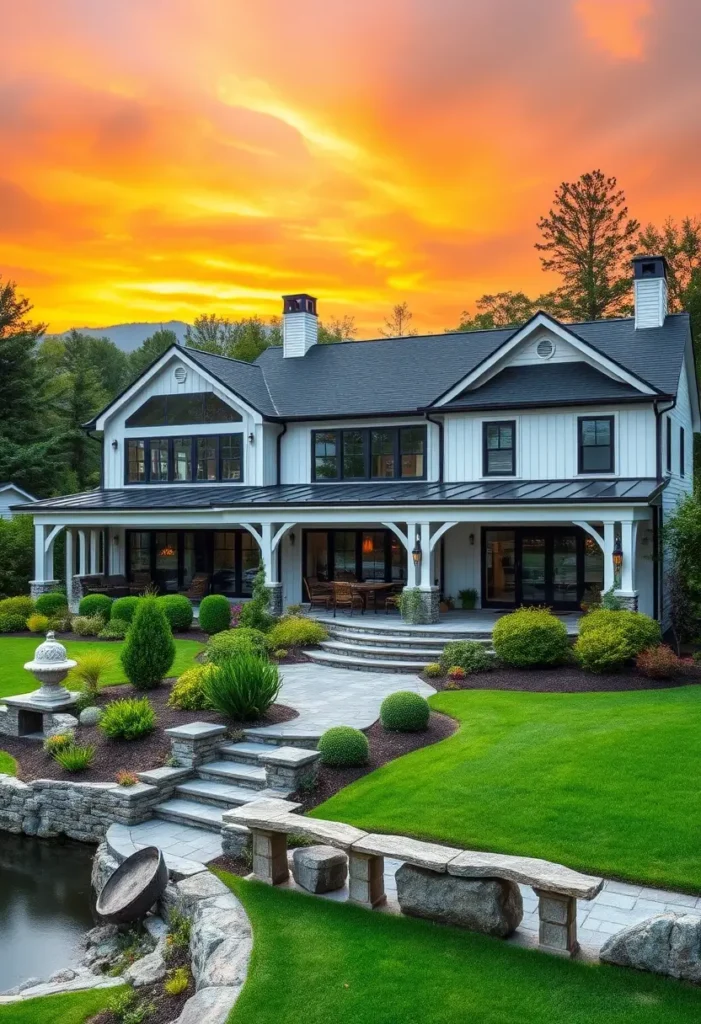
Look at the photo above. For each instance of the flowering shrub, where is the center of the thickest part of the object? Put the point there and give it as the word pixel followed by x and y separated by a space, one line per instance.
pixel 456 674
pixel 658 662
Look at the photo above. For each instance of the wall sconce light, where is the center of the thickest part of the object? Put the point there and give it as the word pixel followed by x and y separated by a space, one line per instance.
pixel 472 540
pixel 251 438
pixel 617 555
pixel 416 552
pixel 115 444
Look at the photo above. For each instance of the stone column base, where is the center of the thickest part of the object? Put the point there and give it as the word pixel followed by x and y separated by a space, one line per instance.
pixel 628 598
pixel 275 606
pixel 366 879
pixel 427 607
pixel 39 587
pixel 558 922
pixel 270 856
pixel 195 744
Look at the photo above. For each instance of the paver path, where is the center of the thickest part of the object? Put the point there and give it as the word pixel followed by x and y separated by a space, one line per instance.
pixel 326 696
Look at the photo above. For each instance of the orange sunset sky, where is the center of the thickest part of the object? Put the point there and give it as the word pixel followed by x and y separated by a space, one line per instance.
pixel 164 158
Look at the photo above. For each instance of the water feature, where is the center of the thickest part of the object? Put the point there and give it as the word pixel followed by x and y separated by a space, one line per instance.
pixel 45 905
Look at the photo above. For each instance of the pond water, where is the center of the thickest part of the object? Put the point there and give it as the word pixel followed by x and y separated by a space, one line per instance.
pixel 45 905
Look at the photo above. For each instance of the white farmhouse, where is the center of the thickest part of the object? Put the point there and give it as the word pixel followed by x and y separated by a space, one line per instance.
pixel 524 463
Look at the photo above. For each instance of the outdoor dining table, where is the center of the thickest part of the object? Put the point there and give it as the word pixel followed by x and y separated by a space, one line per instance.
pixel 368 588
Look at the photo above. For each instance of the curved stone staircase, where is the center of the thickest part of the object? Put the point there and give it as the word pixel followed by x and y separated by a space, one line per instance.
pixel 372 644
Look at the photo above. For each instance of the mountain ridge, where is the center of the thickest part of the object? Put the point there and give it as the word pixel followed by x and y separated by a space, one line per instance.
pixel 130 336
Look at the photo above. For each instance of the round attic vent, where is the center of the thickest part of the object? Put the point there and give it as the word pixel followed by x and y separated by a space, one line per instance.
pixel 180 374
pixel 545 349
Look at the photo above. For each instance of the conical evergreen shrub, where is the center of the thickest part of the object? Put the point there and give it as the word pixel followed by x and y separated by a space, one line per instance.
pixel 149 649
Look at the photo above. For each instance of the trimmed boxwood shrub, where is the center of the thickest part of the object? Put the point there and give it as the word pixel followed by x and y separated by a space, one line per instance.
pixel 188 693
pixel 51 603
pixel 529 637
pixel 640 630
pixel 178 611
pixel 23 606
pixel 215 614
pixel 233 643
pixel 605 649
pixel 12 623
pixel 128 719
pixel 296 631
pixel 344 747
pixel 149 649
pixel 96 604
pixel 124 608
pixel 404 711
pixel 468 655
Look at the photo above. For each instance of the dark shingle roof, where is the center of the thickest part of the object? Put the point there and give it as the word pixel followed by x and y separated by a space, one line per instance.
pixel 549 384
pixel 247 380
pixel 487 492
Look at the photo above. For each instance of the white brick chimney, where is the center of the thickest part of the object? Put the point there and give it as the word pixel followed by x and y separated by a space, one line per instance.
pixel 650 284
pixel 300 326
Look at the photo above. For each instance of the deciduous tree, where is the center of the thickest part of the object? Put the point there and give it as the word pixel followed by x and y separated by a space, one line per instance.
pixel 397 323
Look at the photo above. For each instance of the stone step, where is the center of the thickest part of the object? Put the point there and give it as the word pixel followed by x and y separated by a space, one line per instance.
pixel 232 772
pixel 220 794
pixel 355 663
pixel 377 624
pixel 382 639
pixel 389 652
pixel 191 812
pixel 244 752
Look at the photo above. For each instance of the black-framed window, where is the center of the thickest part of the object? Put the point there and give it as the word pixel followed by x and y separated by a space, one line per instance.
pixel 499 448
pixel 204 459
pixel 181 410
pixel 377 453
pixel 681 451
pixel 596 444
pixel 669 444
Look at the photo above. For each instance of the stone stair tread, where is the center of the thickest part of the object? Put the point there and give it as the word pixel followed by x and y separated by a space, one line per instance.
pixel 381 664
pixel 209 789
pixel 387 638
pixel 244 748
pixel 190 810
pixel 381 652
pixel 234 770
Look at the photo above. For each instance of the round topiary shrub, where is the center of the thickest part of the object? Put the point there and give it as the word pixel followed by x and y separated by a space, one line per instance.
pixel 37 623
pixel 51 603
pixel 124 608
pixel 149 649
pixel 96 604
pixel 469 655
pixel 605 649
pixel 23 606
pixel 178 611
pixel 641 631
pixel 234 642
pixel 215 614
pixel 404 711
pixel 344 747
pixel 12 624
pixel 530 637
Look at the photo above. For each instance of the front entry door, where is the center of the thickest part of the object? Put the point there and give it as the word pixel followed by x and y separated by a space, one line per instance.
pixel 539 566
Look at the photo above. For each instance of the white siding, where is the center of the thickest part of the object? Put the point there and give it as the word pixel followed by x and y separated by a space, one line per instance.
pixel 526 354
pixel 546 442
pixel 461 560
pixel 678 486
pixel 296 465
pixel 11 496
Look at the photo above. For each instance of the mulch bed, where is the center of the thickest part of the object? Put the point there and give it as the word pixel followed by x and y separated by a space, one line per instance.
pixel 567 679
pixel 126 755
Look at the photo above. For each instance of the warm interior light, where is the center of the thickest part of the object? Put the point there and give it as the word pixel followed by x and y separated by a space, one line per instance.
pixel 166 552
pixel 368 546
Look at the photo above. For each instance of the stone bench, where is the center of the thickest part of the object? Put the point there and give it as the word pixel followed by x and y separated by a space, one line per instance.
pixel 558 888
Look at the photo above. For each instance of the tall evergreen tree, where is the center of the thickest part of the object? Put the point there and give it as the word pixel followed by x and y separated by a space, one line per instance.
pixel 21 380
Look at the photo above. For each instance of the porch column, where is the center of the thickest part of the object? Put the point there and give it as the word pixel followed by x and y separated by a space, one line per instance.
pixel 426 557
pixel 39 559
pixel 82 553
pixel 609 541
pixel 94 552
pixel 412 573
pixel 70 564
pixel 267 542
pixel 627 591
pixel 43 567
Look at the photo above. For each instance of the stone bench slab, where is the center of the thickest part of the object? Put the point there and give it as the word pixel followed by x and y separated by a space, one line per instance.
pixel 541 874
pixel 272 806
pixel 411 851
pixel 334 833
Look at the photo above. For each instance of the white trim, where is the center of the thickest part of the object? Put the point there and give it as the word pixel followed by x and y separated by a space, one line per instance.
pixel 9 486
pixel 540 321
pixel 443 528
pixel 588 528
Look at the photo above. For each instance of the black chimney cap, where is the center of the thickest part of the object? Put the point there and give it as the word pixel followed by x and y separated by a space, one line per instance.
pixel 300 303
pixel 649 267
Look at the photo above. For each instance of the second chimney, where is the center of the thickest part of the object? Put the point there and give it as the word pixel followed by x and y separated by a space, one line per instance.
pixel 650 284
pixel 300 326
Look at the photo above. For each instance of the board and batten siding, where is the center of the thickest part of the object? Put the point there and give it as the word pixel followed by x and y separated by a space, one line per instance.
pixel 256 460
pixel 296 454
pixel 678 486
pixel 546 442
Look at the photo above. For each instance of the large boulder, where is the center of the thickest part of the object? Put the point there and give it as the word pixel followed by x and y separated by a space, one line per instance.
pixel 488 905
pixel 667 944
pixel 319 868
pixel 212 1005
pixel 220 942
pixel 149 969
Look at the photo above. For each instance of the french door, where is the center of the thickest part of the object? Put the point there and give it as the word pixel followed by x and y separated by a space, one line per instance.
pixel 534 566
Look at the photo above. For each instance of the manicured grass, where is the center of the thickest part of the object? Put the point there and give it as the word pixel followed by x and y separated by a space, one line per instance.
pixel 15 651
pixel 603 782
pixel 73 1008
pixel 8 765
pixel 317 961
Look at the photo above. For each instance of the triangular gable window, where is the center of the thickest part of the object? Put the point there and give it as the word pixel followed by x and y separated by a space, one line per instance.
pixel 181 410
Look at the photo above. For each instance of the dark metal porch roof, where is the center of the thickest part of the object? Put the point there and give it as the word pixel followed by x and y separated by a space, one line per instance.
pixel 338 495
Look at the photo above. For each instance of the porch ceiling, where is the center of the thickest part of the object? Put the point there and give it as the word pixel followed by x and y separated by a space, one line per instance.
pixel 421 493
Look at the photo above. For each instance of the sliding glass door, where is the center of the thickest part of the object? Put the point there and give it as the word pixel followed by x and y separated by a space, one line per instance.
pixel 552 566
pixel 360 555
pixel 172 557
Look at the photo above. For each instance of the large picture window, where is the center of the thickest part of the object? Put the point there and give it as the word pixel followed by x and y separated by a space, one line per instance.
pixel 499 448
pixel 184 460
pixel 596 444
pixel 181 410
pixel 387 453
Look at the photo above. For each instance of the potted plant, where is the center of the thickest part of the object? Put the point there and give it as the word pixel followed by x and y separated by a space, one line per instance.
pixel 468 598
pixel 447 604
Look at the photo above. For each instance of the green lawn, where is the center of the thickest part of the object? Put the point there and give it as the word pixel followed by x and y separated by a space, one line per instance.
pixel 15 651
pixel 74 1008
pixel 319 962
pixel 603 782
pixel 8 765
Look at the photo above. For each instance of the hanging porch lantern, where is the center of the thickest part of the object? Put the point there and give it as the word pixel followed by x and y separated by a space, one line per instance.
pixel 617 555
pixel 416 552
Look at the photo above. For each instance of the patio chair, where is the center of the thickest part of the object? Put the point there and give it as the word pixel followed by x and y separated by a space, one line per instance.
pixel 345 597
pixel 319 594
pixel 199 586
pixel 140 581
pixel 392 597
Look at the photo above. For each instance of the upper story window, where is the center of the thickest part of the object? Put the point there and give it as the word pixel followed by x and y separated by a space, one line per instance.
pixel 184 460
pixel 596 444
pixel 382 453
pixel 499 448
pixel 681 451
pixel 180 410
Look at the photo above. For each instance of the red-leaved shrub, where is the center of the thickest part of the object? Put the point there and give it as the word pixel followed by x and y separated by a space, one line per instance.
pixel 658 662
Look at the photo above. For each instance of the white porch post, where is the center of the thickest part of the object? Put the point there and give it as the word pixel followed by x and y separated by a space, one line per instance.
pixel 627 591
pixel 39 556
pixel 411 570
pixel 69 559
pixel 426 557
pixel 43 559
pixel 94 552
pixel 609 541
pixel 82 553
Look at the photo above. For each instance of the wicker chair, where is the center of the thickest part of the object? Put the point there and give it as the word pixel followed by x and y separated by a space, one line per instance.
pixel 318 594
pixel 199 586
pixel 345 597
pixel 393 597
